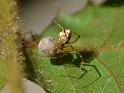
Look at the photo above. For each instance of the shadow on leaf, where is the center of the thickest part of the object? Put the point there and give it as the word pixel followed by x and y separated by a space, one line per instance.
pixel 83 58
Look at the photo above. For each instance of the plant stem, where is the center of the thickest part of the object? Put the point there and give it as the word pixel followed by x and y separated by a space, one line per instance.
pixel 10 53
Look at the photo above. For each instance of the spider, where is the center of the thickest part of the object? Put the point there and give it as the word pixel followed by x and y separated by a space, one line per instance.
pixel 60 48
pixel 51 48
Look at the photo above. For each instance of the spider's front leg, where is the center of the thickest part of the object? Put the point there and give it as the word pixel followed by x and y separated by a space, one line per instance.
pixel 78 36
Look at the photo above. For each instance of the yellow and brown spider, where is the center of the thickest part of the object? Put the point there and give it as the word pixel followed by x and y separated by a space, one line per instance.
pixel 50 47
pixel 59 48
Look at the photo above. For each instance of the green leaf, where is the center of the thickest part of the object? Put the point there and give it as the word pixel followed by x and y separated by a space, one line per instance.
pixel 101 30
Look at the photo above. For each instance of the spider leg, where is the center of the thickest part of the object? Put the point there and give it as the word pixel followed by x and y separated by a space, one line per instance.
pixel 78 36
pixel 72 49
pixel 58 25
